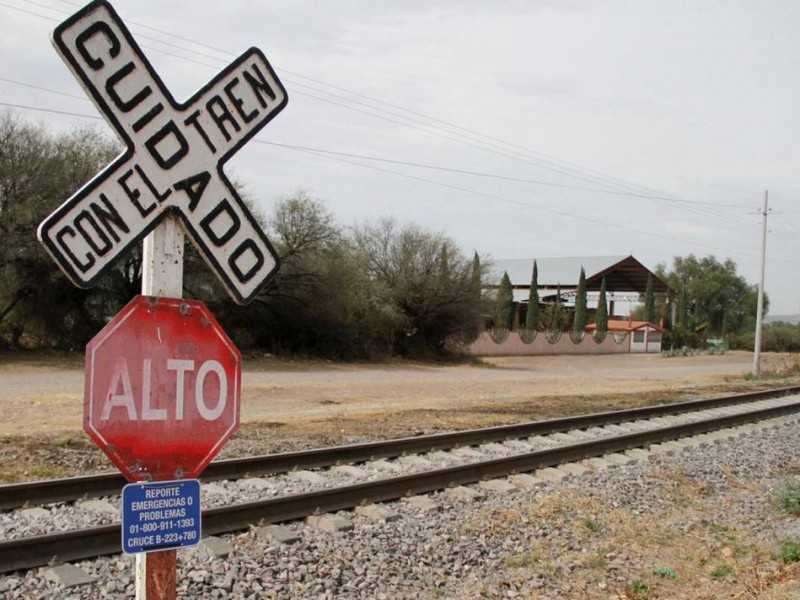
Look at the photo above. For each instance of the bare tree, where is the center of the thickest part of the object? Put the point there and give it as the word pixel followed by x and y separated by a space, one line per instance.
pixel 430 282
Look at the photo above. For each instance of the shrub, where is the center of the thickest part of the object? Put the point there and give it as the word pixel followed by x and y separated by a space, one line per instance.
pixel 682 337
pixel 666 572
pixel 637 589
pixel 787 497
pixel 790 552
pixel 721 571
pixel 784 338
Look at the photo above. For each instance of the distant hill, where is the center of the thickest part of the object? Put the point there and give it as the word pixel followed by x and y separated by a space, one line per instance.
pixel 793 319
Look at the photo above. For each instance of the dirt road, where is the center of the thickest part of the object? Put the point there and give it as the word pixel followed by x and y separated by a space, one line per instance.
pixel 47 395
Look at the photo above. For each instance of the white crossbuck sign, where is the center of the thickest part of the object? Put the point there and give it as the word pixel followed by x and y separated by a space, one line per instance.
pixel 173 159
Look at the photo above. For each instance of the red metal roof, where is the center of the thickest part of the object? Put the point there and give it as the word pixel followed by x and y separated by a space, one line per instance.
pixel 616 325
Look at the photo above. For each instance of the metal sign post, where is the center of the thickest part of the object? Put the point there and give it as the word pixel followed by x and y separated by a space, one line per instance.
pixel 162 396
pixel 156 573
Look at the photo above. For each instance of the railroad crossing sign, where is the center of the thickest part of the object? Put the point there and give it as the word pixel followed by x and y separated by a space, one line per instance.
pixel 163 387
pixel 173 158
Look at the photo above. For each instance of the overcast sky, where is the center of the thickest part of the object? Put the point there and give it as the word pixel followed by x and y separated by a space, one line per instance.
pixel 642 127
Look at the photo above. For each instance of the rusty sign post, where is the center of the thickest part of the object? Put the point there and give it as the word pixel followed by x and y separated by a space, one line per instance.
pixel 168 181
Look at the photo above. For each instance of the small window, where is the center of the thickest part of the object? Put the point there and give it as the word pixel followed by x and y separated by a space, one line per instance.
pixel 654 338
pixel 638 337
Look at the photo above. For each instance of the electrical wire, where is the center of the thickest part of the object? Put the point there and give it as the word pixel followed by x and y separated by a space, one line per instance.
pixel 377 159
pixel 333 155
pixel 542 208
pixel 548 161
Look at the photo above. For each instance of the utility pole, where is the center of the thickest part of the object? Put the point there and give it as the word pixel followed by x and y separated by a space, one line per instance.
pixel 760 309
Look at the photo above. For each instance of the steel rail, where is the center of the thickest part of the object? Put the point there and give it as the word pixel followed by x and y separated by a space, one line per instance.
pixel 27 553
pixel 68 489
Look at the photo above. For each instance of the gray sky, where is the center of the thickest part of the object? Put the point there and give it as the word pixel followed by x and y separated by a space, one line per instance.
pixel 641 127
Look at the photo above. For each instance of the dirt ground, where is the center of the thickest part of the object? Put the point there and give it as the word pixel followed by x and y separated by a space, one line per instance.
pixel 289 405
pixel 293 404
pixel 43 394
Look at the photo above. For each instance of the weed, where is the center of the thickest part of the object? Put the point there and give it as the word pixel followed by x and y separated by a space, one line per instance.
pixel 638 589
pixel 683 489
pixel 598 561
pixel 746 550
pixel 737 482
pixel 666 572
pixel 721 571
pixel 722 531
pixel 787 497
pixel 520 560
pixel 718 527
pixel 790 552
pixel 44 472
pixel 590 524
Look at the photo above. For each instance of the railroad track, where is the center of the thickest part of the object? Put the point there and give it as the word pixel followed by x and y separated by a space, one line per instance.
pixel 33 493
pixel 25 553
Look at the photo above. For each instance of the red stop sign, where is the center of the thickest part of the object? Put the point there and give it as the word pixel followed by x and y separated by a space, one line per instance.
pixel 163 388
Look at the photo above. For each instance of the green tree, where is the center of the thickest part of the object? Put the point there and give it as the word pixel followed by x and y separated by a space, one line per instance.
pixel 505 304
pixel 581 313
pixel 649 301
pixel 555 317
pixel 713 295
pixel 682 311
pixel 477 275
pixel 532 315
pixel 474 328
pixel 601 316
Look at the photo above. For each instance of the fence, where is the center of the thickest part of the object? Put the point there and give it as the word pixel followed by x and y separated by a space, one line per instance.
pixel 525 343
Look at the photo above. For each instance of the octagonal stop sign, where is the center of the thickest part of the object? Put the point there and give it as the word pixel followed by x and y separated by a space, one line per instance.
pixel 162 389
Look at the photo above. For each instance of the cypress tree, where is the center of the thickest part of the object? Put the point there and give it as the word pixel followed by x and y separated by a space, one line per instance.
pixel 475 282
pixel 601 317
pixel 649 300
pixel 581 313
pixel 505 304
pixel 475 326
pixel 532 316
pixel 554 318
pixel 444 265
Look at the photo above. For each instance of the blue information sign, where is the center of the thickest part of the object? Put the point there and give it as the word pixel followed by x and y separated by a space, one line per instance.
pixel 160 516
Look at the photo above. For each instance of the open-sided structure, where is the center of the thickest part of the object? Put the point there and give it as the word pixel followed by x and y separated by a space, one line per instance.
pixel 626 279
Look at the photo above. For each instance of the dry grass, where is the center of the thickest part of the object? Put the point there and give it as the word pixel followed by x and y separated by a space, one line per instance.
pixel 691 547
pixel 782 366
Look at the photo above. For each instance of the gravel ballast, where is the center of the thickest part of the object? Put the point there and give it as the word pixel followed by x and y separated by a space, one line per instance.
pixel 699 523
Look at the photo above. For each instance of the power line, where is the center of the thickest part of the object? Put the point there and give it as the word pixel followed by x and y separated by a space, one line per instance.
pixel 622 188
pixel 544 160
pixel 414 164
pixel 385 160
pixel 51 110
pixel 332 155
pixel 540 208
pixel 482 174
pixel 44 89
